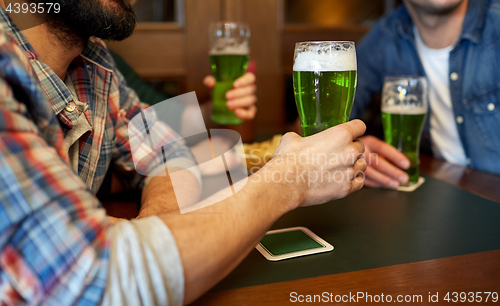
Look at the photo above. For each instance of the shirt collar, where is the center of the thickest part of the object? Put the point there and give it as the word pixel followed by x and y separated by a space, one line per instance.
pixel 472 28
pixel 56 92
pixel 96 52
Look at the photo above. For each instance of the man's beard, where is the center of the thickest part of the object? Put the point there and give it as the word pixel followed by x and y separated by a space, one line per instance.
pixel 78 20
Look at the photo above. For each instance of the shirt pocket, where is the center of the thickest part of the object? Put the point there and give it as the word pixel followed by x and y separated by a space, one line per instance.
pixel 485 109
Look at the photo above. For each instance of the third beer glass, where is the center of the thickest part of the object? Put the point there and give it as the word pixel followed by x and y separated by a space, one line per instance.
pixel 229 52
pixel 324 81
pixel 404 107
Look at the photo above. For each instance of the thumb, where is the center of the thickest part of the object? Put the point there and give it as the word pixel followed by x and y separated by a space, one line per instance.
pixel 356 128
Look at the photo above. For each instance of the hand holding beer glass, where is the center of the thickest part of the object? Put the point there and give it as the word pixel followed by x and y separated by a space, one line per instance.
pixel 404 107
pixel 229 50
pixel 324 81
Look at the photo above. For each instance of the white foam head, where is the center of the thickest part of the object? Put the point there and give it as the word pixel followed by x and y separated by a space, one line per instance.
pixel 325 57
pixel 403 109
pixel 230 46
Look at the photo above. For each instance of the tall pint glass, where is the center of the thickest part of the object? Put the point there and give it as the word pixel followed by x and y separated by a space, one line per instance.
pixel 229 56
pixel 404 108
pixel 324 82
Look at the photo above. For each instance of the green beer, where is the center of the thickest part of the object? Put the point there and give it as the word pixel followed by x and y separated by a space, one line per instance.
pixel 226 69
pixel 228 50
pixel 324 83
pixel 404 107
pixel 324 98
pixel 403 131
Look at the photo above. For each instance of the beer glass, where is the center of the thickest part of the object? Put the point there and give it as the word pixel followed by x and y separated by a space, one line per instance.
pixel 324 82
pixel 404 107
pixel 229 56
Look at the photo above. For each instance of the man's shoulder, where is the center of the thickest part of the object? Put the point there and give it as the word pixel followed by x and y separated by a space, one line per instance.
pixel 494 11
pixel 495 5
pixel 9 46
pixel 23 107
pixel 491 31
pixel 400 14
pixel 390 22
pixel 386 28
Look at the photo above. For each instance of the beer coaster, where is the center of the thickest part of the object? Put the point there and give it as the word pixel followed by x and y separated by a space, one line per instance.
pixel 411 188
pixel 291 242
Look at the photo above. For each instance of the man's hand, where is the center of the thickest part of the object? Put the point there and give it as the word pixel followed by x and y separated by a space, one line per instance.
pixel 322 167
pixel 383 162
pixel 241 99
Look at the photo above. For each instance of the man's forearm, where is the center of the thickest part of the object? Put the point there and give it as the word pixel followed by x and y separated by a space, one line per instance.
pixel 214 240
pixel 159 197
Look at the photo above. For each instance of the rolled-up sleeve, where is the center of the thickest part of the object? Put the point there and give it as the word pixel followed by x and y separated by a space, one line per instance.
pixel 145 266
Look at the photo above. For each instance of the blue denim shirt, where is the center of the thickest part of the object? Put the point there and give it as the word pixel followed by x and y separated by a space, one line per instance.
pixel 389 50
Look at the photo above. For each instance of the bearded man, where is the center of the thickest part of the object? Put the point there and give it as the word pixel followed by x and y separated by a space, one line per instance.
pixel 64 112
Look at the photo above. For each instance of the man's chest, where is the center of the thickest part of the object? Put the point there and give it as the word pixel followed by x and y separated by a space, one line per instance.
pixel 87 120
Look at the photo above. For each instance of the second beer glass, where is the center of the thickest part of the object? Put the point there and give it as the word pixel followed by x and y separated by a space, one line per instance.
pixel 229 50
pixel 324 82
pixel 404 107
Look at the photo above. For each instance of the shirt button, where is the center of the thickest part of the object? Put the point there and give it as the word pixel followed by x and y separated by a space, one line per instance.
pixel 464 101
pixel 71 107
pixel 454 76
pixel 491 107
pixel 460 119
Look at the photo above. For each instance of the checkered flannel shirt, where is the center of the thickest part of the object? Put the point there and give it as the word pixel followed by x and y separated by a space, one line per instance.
pixel 54 246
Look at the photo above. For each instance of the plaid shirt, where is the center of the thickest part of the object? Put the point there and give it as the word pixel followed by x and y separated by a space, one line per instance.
pixel 53 231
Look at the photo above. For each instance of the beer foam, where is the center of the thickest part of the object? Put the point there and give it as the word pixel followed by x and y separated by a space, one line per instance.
pixel 317 60
pixel 403 110
pixel 231 47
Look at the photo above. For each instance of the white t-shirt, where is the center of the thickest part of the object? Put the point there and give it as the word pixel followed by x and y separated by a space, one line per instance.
pixel 446 142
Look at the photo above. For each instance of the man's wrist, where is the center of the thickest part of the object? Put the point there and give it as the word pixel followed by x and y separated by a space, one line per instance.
pixel 281 179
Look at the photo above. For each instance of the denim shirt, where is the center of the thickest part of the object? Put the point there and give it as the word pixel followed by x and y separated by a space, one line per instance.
pixel 390 50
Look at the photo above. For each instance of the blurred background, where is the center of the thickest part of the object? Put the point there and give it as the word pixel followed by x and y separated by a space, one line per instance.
pixel 169 48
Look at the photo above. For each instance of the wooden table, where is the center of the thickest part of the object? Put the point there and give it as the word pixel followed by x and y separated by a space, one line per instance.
pixel 475 272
